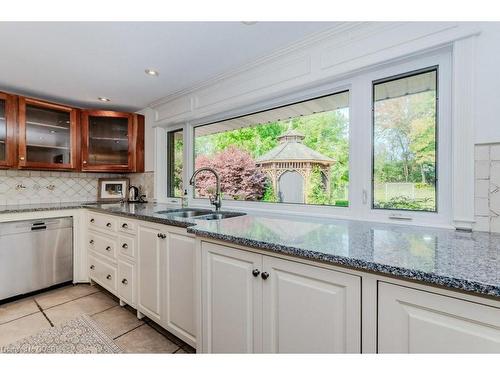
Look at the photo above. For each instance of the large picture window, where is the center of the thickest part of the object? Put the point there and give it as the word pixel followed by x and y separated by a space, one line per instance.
pixel 297 153
pixel 404 142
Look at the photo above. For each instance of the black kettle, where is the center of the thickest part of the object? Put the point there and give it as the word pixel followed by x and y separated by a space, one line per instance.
pixel 133 194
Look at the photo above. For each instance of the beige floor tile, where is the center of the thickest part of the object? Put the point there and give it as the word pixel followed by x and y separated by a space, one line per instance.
pixel 117 321
pixel 17 309
pixel 63 295
pixel 91 304
pixel 145 340
pixel 23 327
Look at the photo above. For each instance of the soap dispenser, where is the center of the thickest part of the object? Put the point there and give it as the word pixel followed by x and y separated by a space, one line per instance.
pixel 184 199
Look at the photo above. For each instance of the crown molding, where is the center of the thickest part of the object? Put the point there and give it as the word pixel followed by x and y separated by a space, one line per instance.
pixel 309 41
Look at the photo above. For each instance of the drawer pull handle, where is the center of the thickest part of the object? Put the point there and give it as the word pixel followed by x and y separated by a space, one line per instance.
pixel 161 235
pixel 125 246
pixel 264 275
pixel 92 220
pixel 91 242
pixel 92 267
pixel 108 248
pixel 108 277
pixel 124 281
pixel 125 225
pixel 108 225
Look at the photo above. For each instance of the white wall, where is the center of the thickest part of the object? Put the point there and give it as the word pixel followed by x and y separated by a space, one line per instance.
pixel 487 118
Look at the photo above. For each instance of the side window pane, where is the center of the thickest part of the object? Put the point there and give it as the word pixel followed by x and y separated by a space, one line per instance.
pixel 404 143
pixel 175 163
pixel 298 153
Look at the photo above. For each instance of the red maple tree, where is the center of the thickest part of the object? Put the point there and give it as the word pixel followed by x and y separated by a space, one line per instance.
pixel 240 178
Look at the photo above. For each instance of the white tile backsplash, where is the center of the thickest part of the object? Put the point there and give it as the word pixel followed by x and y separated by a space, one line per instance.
pixel 487 188
pixel 31 187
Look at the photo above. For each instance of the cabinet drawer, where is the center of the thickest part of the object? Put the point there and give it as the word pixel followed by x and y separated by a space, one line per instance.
pixel 127 226
pixel 126 282
pixel 126 245
pixel 103 273
pixel 104 223
pixel 102 245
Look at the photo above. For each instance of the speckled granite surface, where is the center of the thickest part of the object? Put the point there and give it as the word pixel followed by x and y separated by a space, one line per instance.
pixel 458 260
pixel 19 208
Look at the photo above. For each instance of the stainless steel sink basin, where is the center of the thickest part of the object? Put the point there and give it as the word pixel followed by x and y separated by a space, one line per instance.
pixel 219 215
pixel 185 212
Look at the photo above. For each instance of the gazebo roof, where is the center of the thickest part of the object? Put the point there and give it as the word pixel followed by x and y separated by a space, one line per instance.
pixel 291 148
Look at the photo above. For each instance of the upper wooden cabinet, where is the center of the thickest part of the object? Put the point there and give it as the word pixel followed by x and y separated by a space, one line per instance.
pixel 112 141
pixel 48 135
pixel 7 130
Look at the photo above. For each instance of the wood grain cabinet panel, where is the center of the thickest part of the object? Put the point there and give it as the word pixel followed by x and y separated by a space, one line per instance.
pixel 48 135
pixel 414 321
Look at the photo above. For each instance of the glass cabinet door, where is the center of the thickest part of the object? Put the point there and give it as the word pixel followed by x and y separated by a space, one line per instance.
pixel 7 125
pixel 46 132
pixel 3 130
pixel 108 141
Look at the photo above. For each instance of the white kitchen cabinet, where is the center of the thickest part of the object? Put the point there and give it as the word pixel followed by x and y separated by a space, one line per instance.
pixel 151 241
pixel 231 299
pixel 180 305
pixel 414 321
pixel 255 303
pixel 310 309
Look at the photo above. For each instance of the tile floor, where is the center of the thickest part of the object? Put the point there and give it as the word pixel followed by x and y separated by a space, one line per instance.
pixel 27 316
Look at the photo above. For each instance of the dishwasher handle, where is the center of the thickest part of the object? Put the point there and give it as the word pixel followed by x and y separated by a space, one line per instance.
pixel 38 226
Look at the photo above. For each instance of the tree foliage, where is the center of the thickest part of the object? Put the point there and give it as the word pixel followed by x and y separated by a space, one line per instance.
pixel 240 178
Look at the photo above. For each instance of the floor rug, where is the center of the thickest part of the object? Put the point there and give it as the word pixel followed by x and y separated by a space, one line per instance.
pixel 79 336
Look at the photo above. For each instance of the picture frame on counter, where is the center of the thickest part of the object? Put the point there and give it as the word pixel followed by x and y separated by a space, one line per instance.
pixel 112 189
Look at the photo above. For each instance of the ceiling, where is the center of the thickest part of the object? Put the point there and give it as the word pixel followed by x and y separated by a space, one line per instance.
pixel 77 62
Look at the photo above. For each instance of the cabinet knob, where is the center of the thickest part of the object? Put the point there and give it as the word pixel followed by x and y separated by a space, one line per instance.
pixel 108 225
pixel 256 272
pixel 91 242
pixel 125 246
pixel 108 248
pixel 85 162
pixel 92 220
pixel 21 158
pixel 124 225
pixel 124 281
pixel 92 267
pixel 108 277
pixel 264 275
pixel 161 235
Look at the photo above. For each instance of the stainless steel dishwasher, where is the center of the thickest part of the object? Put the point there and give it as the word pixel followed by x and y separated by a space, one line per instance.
pixel 35 254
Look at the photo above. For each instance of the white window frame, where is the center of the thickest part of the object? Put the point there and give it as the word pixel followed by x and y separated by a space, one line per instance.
pixel 360 90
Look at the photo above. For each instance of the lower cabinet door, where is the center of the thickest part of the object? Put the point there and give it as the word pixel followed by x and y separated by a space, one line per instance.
pixel 232 300
pixel 310 309
pixel 180 285
pixel 126 282
pixel 150 247
pixel 414 321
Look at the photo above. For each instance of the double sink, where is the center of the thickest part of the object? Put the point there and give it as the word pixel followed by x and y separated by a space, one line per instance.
pixel 200 214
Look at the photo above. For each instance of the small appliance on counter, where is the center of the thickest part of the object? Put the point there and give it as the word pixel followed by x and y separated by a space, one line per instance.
pixel 134 195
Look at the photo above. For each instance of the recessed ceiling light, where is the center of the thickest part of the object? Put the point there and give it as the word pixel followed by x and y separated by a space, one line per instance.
pixel 152 72
pixel 248 23
pixel 103 99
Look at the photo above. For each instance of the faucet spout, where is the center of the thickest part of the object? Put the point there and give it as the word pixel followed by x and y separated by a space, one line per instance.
pixel 216 201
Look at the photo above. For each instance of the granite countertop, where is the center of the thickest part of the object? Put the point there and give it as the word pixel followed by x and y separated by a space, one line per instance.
pixel 459 260
pixel 19 208
pixel 468 261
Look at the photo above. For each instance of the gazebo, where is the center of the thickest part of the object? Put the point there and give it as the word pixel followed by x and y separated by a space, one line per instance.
pixel 289 166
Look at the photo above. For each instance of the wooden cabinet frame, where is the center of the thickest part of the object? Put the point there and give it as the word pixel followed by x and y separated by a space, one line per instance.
pixel 74 136
pixel 135 142
pixel 11 131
